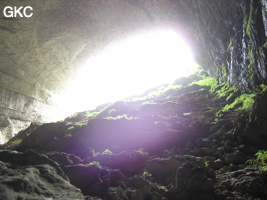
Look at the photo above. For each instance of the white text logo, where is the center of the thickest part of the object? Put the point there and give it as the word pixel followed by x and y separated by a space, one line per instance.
pixel 18 11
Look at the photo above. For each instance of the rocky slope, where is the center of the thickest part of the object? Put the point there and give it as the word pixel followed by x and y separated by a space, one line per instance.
pixel 186 141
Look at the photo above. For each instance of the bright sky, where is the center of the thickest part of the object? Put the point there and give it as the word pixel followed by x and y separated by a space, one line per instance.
pixel 125 68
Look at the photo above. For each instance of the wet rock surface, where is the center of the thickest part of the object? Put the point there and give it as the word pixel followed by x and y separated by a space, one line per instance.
pixel 178 144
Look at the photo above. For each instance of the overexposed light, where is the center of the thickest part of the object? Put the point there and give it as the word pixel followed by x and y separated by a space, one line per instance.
pixel 126 68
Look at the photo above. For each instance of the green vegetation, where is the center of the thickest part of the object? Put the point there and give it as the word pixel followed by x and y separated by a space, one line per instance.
pixel 259 161
pixel 111 118
pixel 248 20
pixel 247 24
pixel 107 151
pixel 95 163
pixel 111 111
pixel 146 174
pixel 70 128
pixel 92 114
pixel 160 187
pixel 206 163
pixel 148 102
pixel 260 49
pixel 243 102
pixel 68 132
pixel 15 142
pixel 265 44
pixel 67 135
pixel 142 151
pixel 207 81
pixel 263 88
pixel 171 87
pixel 125 116
pixel 230 43
pixel 224 72
pixel 80 124
pixel 221 70
pixel 219 114
pixel 94 153
pixel 251 58
pixel 155 93
pixel 225 91
pixel 186 114
pixel 250 55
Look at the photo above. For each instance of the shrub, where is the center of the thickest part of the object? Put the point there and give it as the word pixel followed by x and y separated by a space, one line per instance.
pixel 260 160
pixel 206 163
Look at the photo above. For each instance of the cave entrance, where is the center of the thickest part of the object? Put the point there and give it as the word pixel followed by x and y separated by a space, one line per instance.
pixel 128 67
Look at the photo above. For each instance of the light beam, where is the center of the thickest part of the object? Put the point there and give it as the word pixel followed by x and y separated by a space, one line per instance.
pixel 125 68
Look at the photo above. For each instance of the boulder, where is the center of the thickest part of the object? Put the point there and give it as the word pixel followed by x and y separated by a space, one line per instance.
pixel 32 176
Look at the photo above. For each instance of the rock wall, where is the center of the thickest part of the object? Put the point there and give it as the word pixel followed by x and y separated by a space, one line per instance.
pixel 17 111
pixel 232 37
pixel 40 55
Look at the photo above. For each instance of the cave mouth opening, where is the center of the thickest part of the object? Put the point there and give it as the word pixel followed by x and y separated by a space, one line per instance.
pixel 125 68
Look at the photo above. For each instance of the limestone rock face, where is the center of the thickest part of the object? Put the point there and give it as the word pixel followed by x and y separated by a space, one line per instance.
pixel 40 55
pixel 9 127
pixel 33 178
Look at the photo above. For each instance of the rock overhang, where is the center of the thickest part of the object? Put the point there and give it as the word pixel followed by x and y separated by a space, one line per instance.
pixel 41 54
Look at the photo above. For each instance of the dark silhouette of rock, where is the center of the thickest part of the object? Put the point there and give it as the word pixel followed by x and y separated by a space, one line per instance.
pixel 256 128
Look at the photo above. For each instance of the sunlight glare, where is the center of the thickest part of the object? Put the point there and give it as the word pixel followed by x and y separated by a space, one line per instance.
pixel 128 68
